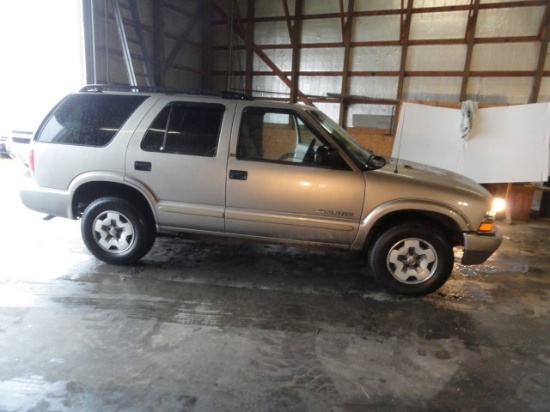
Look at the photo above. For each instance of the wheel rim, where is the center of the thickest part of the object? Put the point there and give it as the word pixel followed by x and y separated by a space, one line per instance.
pixel 113 231
pixel 412 261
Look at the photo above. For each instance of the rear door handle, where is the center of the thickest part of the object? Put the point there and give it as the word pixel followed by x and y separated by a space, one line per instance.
pixel 144 166
pixel 238 174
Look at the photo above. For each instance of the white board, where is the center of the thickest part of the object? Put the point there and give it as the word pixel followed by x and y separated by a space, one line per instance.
pixel 506 144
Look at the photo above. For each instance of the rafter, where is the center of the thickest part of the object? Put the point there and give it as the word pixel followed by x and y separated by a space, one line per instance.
pixel 347 36
pixel 296 33
pixel 404 47
pixel 470 39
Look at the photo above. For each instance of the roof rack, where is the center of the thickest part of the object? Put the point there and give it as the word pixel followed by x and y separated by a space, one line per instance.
pixel 224 94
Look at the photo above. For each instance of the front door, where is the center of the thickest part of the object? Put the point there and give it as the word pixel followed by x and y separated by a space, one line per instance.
pixel 275 189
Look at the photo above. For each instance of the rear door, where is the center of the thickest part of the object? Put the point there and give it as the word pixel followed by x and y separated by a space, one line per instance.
pixel 275 189
pixel 177 155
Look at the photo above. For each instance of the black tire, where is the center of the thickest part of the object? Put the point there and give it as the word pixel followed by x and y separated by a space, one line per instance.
pixel 411 259
pixel 115 231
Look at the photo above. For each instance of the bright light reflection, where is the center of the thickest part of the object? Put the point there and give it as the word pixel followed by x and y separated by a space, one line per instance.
pixel 42 54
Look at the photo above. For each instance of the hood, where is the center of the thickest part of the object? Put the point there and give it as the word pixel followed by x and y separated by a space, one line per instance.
pixel 411 181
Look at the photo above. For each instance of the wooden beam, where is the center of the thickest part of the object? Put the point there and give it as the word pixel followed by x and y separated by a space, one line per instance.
pixel 545 38
pixel 470 38
pixel 418 10
pixel 288 19
pixel 296 34
pixel 393 43
pixel 404 48
pixel 408 73
pixel 344 89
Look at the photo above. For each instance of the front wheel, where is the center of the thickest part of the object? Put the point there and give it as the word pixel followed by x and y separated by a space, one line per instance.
pixel 115 231
pixel 411 259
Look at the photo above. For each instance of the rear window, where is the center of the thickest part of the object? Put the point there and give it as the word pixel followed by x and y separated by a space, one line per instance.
pixel 88 119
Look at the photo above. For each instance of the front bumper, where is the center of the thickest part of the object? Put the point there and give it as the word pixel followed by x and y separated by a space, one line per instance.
pixel 478 248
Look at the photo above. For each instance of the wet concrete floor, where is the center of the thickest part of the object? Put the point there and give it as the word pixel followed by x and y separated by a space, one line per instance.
pixel 204 326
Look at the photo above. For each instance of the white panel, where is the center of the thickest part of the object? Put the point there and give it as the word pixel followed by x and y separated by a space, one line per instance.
pixel 447 25
pixel 440 3
pixel 281 57
pixel 374 86
pixel 370 109
pixel 436 58
pixel 322 59
pixel 273 32
pixel 517 21
pixel 544 93
pixel 321 31
pixel 521 133
pixel 332 110
pixel 264 84
pixel 365 5
pixel 320 85
pixel 433 88
pixel 271 8
pixel 375 58
pixel 505 56
pixel 510 90
pixel 321 7
pixel 376 28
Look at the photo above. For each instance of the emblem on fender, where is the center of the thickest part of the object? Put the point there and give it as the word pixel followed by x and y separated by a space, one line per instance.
pixel 334 213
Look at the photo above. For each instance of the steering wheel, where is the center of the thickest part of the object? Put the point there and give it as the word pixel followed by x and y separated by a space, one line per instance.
pixel 310 154
pixel 286 157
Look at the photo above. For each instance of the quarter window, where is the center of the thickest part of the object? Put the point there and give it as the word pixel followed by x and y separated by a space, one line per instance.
pixel 184 128
pixel 88 119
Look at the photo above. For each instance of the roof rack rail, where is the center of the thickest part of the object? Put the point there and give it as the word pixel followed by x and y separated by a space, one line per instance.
pixel 224 94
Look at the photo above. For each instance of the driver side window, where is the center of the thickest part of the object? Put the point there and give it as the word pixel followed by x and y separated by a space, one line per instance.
pixel 276 136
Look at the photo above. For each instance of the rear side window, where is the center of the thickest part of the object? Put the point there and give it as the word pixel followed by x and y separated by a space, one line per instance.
pixel 88 119
pixel 185 128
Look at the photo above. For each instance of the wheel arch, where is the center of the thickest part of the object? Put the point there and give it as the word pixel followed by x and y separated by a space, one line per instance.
pixel 90 191
pixel 450 223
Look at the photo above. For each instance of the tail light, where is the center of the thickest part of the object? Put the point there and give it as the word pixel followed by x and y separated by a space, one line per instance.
pixel 31 160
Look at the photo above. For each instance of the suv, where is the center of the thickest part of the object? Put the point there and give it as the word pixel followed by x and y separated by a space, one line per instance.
pixel 134 164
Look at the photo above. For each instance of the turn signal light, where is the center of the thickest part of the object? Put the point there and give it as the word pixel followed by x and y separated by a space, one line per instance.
pixel 485 227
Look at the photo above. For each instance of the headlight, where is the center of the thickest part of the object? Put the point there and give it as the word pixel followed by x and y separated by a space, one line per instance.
pixel 498 206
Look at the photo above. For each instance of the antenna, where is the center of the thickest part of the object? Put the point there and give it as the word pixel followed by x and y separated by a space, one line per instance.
pixel 400 138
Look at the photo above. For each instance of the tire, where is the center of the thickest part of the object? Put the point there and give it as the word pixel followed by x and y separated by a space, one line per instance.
pixel 411 259
pixel 117 232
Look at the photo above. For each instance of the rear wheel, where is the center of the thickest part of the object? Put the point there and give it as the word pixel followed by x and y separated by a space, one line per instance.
pixel 411 259
pixel 115 231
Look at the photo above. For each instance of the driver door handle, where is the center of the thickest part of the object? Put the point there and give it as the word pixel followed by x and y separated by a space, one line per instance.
pixel 238 174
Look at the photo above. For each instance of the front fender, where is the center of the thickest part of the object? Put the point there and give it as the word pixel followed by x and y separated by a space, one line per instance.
pixel 403 205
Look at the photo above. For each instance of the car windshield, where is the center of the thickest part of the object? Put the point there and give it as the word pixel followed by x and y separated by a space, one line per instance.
pixel 344 139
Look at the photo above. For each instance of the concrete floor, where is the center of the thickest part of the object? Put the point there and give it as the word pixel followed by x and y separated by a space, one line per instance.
pixel 201 326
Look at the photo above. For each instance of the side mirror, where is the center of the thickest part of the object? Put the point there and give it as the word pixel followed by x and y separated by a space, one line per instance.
pixel 326 156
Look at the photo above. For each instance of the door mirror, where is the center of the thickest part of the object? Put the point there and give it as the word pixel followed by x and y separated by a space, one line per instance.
pixel 326 156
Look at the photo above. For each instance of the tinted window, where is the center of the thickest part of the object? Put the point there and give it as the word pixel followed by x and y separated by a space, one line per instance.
pixel 88 119
pixel 182 128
